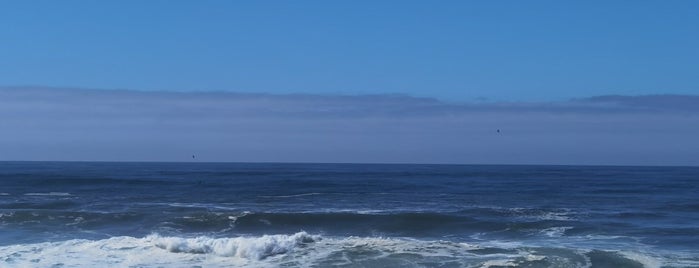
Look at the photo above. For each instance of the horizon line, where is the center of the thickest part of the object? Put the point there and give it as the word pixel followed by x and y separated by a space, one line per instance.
pixel 472 99
pixel 336 163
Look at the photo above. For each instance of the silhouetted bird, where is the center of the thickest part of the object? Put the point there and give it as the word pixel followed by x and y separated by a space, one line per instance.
pixel 498 131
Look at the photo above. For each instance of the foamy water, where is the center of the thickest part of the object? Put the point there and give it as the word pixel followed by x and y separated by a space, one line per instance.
pixel 317 215
pixel 299 249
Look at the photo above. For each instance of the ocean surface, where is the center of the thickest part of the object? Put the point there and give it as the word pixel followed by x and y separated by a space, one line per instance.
pixel 60 214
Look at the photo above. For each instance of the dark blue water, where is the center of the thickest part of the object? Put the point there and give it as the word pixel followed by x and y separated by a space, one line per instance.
pixel 223 214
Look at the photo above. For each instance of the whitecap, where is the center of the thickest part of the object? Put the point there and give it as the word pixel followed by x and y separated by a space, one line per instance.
pixel 255 248
pixel 532 257
pixel 234 218
pixel 154 251
pixel 556 231
pixel 293 250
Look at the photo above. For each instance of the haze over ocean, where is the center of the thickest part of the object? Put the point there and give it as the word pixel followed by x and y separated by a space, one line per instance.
pixel 59 124
pixel 349 134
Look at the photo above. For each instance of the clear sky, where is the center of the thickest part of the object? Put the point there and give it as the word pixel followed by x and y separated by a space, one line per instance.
pixel 451 50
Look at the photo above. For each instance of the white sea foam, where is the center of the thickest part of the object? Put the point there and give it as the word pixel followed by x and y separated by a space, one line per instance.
pixel 2 194
pixel 299 249
pixel 498 263
pixel 153 251
pixel 49 194
pixel 532 257
pixel 263 251
pixel 255 248
pixel 556 231
pixel 236 217
pixel 528 213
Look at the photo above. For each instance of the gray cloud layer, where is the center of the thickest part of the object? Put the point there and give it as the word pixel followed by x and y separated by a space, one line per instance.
pixel 120 125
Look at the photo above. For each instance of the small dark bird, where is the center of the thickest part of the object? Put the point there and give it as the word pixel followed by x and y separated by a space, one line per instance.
pixel 498 131
pixel 193 157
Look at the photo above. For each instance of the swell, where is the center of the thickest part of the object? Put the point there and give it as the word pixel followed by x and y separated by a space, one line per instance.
pixel 53 215
pixel 51 204
pixel 412 224
pixel 47 181
pixel 487 223
pixel 56 220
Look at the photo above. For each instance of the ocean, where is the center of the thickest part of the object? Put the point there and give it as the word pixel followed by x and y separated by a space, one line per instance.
pixel 101 214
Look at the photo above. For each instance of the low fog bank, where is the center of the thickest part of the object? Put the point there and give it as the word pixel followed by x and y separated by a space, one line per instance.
pixel 120 125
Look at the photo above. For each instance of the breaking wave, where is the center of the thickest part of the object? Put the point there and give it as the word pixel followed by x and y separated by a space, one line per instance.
pixel 303 249
pixel 255 248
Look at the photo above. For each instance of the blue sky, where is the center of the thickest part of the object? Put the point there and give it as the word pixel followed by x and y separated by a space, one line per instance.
pixel 450 50
pixel 584 82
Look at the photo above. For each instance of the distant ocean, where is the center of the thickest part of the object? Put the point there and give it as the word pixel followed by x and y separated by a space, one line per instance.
pixel 55 214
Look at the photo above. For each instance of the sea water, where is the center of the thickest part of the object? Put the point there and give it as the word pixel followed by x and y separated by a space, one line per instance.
pixel 82 214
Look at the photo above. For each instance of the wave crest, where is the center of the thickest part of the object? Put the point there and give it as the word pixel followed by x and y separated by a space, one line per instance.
pixel 256 248
pixel 302 249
